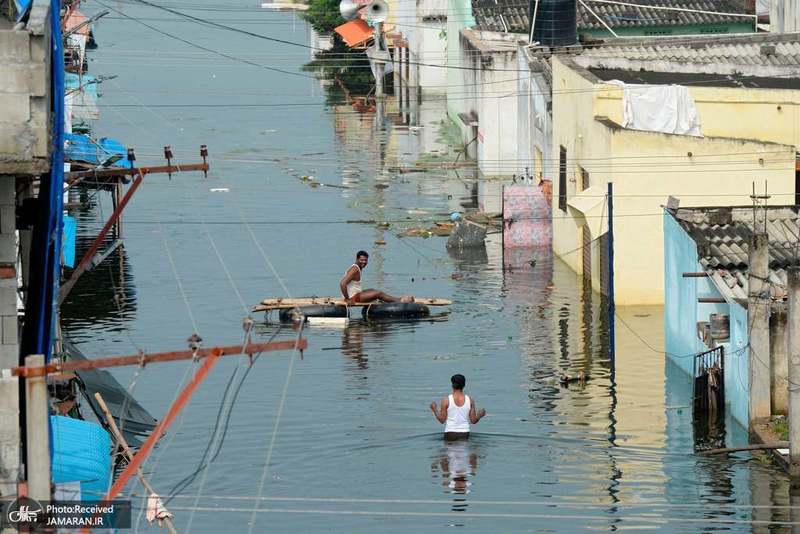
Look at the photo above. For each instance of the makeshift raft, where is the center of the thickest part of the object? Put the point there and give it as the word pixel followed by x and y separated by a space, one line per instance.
pixel 284 304
pixel 332 308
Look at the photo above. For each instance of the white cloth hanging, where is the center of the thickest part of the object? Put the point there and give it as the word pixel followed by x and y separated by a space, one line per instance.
pixel 660 108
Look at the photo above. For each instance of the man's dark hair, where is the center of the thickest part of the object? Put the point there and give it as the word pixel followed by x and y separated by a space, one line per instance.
pixel 362 253
pixel 458 381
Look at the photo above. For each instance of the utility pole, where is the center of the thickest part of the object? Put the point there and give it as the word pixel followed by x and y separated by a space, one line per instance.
pixel 794 370
pixel 758 309
pixel 37 427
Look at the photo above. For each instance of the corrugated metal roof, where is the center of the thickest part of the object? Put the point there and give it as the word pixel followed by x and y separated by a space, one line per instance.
pixel 723 242
pixel 618 16
pixel 511 16
pixel 764 54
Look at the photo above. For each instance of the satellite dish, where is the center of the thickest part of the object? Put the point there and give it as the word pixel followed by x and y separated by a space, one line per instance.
pixel 377 10
pixel 349 9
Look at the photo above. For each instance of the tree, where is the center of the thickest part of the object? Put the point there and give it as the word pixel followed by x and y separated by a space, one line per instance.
pixel 323 15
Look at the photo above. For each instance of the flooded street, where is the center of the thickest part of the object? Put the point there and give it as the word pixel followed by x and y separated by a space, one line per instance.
pixel 342 438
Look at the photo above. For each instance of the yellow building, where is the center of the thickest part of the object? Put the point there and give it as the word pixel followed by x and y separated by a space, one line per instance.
pixel 746 95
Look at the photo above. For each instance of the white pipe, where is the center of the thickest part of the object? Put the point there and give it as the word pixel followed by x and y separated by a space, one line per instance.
pixel 599 18
pixel 533 21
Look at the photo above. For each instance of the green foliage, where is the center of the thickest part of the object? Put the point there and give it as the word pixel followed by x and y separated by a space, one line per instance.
pixel 346 67
pixel 781 428
pixel 323 15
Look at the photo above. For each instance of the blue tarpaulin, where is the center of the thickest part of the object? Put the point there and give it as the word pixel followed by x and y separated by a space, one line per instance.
pixel 86 83
pixel 81 454
pixel 80 147
pixel 68 241
pixel 38 329
pixel 22 7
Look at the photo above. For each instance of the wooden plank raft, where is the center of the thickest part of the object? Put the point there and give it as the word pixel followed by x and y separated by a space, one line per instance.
pixel 282 304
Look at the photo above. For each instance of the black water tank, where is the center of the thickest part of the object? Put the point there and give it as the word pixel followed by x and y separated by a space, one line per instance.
pixel 556 22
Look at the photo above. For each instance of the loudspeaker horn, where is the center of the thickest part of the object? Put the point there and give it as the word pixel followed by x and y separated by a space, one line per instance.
pixel 349 9
pixel 377 11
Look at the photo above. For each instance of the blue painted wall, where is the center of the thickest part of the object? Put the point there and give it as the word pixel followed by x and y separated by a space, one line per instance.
pixel 682 312
pixel 680 296
pixel 737 367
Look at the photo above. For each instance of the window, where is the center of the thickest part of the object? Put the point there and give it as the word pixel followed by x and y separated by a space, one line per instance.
pixel 562 179
pixel 584 179
pixel 538 162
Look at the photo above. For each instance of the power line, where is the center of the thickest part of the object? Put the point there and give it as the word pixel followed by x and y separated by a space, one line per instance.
pixel 201 47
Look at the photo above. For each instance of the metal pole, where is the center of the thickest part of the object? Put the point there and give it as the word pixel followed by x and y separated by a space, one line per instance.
pixel 84 263
pixel 612 308
pixel 794 369
pixel 37 426
pixel 379 64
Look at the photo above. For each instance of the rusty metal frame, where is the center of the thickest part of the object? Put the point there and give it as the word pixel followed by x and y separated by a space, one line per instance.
pixel 144 359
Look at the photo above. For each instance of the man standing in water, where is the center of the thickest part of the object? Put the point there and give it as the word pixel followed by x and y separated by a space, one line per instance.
pixel 350 284
pixel 457 411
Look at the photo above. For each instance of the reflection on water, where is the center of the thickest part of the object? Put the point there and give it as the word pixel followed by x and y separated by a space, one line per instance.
pixel 106 294
pixel 455 466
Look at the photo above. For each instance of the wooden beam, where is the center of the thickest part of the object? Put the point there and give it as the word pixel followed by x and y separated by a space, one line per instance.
pixel 132 171
pixel 695 275
pixel 144 359
pixel 712 300
pixel 126 450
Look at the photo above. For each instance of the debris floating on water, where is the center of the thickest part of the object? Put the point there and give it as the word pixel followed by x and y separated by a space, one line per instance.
pixel 219 190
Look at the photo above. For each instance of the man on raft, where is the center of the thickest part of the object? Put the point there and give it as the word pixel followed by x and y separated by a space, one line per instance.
pixel 350 284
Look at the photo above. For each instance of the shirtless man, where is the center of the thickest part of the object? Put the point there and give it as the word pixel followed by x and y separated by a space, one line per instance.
pixel 350 285
pixel 457 411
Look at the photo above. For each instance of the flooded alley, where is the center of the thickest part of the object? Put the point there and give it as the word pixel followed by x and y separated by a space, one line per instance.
pixel 342 435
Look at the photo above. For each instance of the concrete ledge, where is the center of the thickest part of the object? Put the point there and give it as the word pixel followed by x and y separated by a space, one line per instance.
pixel 39 19
pixel 761 433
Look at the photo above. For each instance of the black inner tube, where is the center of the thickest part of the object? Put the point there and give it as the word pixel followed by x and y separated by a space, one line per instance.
pixel 395 309
pixel 319 310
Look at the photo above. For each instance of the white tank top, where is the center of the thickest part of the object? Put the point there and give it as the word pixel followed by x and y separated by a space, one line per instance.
pixel 354 287
pixel 457 416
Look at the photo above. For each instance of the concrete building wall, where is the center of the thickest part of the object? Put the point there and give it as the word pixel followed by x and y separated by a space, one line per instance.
pixel 490 91
pixel 24 101
pixel 535 124
pixel 24 153
pixel 459 16
pixel 682 312
pixel 432 52
pixel 763 114
pixel 680 296
pixel 737 367
pixel 784 16
pixel 646 168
